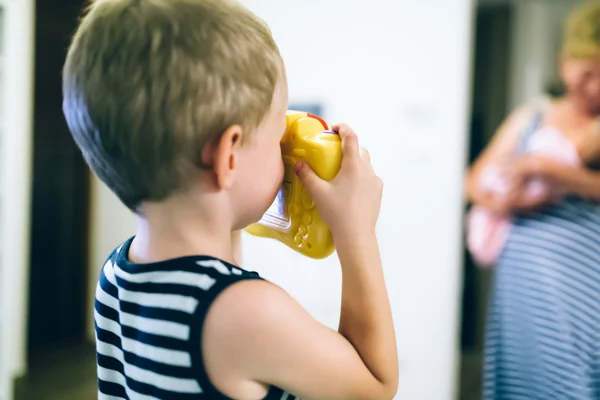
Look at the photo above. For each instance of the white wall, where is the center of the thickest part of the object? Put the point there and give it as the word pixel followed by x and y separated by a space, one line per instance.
pixel 399 73
pixel 15 185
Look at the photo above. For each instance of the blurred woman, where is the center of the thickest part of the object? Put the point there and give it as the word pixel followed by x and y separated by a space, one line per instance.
pixel 543 329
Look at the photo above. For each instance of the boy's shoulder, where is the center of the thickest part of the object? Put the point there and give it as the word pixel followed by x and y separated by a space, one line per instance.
pixel 199 276
pixel 205 264
pixel 251 329
pixel 247 297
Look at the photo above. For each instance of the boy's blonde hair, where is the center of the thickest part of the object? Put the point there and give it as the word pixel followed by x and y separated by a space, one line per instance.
pixel 148 83
pixel 582 32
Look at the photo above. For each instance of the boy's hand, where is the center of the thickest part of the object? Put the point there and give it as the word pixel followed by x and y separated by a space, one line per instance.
pixel 355 191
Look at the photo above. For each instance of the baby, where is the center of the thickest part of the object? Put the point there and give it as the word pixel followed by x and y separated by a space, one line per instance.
pixel 487 231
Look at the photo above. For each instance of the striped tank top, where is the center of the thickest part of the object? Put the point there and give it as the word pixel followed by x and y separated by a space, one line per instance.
pixel 148 321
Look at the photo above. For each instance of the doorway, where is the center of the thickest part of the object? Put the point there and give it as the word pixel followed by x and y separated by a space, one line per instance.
pixel 493 35
pixel 60 207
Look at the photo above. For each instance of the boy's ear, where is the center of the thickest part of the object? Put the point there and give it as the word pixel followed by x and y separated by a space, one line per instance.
pixel 225 156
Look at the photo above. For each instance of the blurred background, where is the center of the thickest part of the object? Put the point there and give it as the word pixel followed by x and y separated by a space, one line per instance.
pixel 425 84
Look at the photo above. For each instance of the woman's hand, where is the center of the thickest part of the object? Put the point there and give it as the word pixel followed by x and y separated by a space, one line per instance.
pixel 516 193
pixel 521 171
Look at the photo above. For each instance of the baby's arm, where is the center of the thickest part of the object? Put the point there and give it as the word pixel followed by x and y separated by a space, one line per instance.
pixel 570 179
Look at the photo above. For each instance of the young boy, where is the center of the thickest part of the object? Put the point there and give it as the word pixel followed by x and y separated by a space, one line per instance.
pixel 179 107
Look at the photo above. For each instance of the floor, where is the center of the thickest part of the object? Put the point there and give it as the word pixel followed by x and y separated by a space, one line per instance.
pixel 470 379
pixel 69 373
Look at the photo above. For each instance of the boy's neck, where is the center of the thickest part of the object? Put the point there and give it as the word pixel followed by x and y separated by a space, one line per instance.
pixel 178 228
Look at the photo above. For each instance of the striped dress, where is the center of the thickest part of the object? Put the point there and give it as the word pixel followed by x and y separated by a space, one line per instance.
pixel 543 328
pixel 148 321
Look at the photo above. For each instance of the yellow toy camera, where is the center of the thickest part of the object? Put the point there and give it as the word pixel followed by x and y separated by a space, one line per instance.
pixel 292 218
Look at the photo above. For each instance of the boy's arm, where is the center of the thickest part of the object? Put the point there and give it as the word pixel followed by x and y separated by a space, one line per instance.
pixel 256 335
pixel 366 316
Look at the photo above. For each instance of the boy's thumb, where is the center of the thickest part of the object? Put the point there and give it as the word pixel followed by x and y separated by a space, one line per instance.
pixel 308 177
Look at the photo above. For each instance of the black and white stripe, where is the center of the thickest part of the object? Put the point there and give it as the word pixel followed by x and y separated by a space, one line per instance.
pixel 148 321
